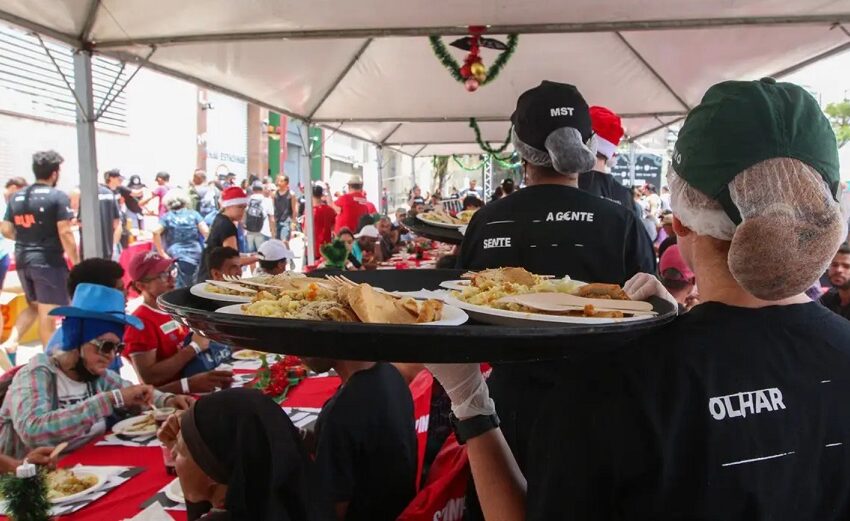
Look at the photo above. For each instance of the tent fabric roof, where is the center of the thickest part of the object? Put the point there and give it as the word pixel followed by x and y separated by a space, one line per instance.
pixel 366 68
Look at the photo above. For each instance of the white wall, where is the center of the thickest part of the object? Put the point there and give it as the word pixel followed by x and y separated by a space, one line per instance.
pixel 161 130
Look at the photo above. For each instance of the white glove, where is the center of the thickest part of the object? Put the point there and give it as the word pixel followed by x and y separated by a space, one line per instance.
pixel 466 388
pixel 643 285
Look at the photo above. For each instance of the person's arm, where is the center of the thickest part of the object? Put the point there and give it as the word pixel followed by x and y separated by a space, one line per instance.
pixel 8 230
pixel 35 420
pixel 157 242
pixel 294 221
pixel 204 229
pixel 164 371
pixel 116 231
pixel 500 485
pixel 231 242
pixel 69 244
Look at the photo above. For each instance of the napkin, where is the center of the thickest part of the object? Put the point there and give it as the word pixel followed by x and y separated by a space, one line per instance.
pixel 154 512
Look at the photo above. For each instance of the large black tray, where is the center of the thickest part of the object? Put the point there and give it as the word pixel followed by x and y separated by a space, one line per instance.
pixel 434 233
pixel 405 343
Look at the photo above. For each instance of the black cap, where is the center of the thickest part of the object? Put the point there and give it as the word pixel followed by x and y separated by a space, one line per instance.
pixel 135 182
pixel 548 107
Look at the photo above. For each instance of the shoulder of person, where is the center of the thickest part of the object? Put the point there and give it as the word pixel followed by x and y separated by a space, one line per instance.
pixel 39 367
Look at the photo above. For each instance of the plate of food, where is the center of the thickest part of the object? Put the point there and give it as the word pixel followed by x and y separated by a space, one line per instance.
pixel 174 491
pixel 235 289
pixel 141 425
pixel 440 220
pixel 64 485
pixel 514 296
pixel 349 302
pixel 246 354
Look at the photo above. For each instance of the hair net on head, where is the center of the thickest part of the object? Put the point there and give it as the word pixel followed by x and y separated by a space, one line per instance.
pixel 565 152
pixel 791 225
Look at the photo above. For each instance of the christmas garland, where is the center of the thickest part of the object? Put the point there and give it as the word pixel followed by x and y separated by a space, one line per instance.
pixel 454 68
pixel 486 146
pixel 468 168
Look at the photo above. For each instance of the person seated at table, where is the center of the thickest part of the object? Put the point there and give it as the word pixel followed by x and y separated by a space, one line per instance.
pixel 347 237
pixel 446 262
pixel 237 450
pixel 470 202
pixel 365 455
pixel 165 353
pixel 390 239
pixel 93 271
pixel 67 397
pixel 274 257
pixel 365 249
pixel 225 262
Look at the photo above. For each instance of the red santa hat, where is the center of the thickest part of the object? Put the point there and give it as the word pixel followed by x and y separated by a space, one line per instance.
pixel 233 196
pixel 608 129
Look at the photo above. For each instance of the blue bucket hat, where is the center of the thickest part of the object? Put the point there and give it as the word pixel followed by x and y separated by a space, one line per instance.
pixel 98 302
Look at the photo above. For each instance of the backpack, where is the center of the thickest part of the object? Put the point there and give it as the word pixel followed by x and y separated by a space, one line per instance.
pixel 254 215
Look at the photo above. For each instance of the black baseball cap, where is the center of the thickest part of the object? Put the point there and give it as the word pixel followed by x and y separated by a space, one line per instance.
pixel 135 182
pixel 548 107
pixel 109 174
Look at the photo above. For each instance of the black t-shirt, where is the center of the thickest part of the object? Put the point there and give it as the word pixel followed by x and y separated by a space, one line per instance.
pixel 727 414
pixel 832 300
pixel 34 211
pixel 222 228
pixel 366 448
pixel 558 230
pixel 606 186
pixel 109 211
pixel 282 206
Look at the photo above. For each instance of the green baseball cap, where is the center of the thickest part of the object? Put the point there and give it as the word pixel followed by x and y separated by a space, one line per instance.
pixel 741 123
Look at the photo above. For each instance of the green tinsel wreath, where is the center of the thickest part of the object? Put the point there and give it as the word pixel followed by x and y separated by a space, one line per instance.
pixel 448 61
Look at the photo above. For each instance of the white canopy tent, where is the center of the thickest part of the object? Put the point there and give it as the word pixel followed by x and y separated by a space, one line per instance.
pixel 366 68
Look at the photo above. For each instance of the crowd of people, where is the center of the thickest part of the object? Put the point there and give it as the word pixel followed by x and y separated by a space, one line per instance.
pixel 722 414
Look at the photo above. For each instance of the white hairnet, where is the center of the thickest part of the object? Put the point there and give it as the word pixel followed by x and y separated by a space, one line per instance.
pixel 791 226
pixel 565 152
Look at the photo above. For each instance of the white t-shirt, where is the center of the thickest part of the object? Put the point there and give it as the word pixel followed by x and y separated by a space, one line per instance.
pixel 268 211
pixel 70 392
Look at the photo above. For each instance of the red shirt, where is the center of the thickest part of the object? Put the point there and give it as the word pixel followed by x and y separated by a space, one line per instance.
pixel 353 206
pixel 161 332
pixel 324 218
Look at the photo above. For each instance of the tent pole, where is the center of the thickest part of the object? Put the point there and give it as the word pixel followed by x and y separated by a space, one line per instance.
pixel 652 70
pixel 380 153
pixel 413 171
pixel 632 160
pixel 87 152
pixel 465 119
pixel 309 236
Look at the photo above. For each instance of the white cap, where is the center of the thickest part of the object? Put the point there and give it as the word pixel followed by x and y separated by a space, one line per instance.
pixel 368 231
pixel 274 249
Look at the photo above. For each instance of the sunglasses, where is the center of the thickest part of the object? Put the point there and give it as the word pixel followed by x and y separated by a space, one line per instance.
pixel 108 347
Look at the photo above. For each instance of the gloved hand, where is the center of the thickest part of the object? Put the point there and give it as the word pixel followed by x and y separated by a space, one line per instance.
pixel 643 285
pixel 466 388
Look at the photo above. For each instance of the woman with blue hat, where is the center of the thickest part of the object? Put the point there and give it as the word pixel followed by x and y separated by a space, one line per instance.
pixel 67 397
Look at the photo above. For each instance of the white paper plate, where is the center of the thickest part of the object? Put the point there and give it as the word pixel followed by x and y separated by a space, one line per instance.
pixel 500 317
pixel 174 491
pixel 456 285
pixel 122 426
pixel 200 290
pixel 438 224
pixel 101 474
pixel 245 354
pixel 452 315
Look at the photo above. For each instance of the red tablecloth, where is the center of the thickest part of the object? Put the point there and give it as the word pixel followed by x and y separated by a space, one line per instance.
pixel 124 501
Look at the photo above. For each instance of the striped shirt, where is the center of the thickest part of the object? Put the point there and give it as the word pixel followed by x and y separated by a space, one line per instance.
pixel 30 416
